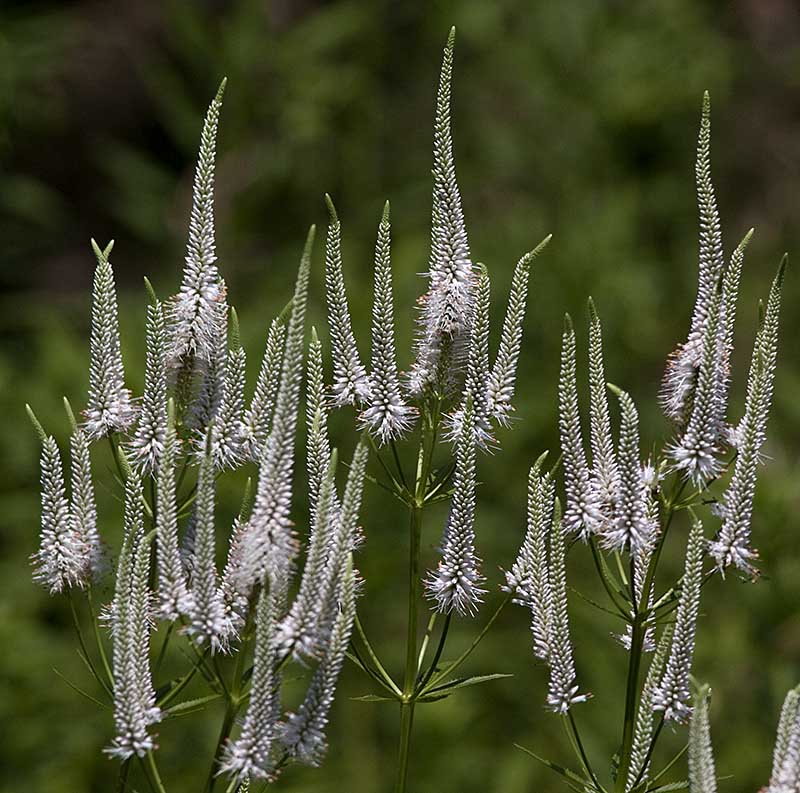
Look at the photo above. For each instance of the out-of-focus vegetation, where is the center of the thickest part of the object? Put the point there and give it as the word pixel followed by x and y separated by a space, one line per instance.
pixel 572 118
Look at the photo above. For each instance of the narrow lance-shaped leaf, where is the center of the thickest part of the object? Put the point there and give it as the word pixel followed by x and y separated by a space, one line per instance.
pixel 582 512
pixel 109 407
pixel 447 307
pixel 456 583
pixel 387 416
pixel 194 316
pixel 732 544
pixel 503 377
pixel 350 382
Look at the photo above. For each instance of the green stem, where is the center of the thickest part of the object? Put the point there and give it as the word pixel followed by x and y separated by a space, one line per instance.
pixel 151 763
pixel 406 723
pixel 122 779
pixel 381 671
pixel 82 642
pixel 580 751
pixel 98 638
pixel 437 654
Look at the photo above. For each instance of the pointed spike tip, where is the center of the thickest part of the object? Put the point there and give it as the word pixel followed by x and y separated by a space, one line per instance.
pixel 314 335
pixel 221 89
pixel 782 269
pixel 615 390
pixel 151 293
pixel 70 414
pixel 236 333
pixel 451 38
pixel 593 315
pixel 569 328
pixel 331 209
pixel 385 217
pixel 36 423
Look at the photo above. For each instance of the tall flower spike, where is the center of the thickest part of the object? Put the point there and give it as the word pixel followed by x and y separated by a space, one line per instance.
pixel 630 527
pixel 318 443
pixel 529 577
pixel 786 757
pixel 643 728
pixel 477 372
pixel 303 734
pixel 147 444
pixel 456 583
pixel 251 754
pixel 605 471
pixel 702 774
pixel 173 593
pixel 268 544
pixel 350 382
pixel 582 513
pixel 227 434
pixel 194 319
pixel 732 545
pixel 673 694
pixel 210 621
pixel 563 689
pixel 258 419
pixel 447 307
pixel 135 707
pixel 503 377
pixel 694 452
pixel 83 509
pixel 60 562
pixel 387 416
pixel 297 632
pixel 681 373
pixel 109 407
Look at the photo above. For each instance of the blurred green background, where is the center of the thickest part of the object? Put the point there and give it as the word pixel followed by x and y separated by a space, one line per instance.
pixel 573 118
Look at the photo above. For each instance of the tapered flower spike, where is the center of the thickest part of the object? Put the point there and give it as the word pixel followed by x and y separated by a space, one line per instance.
pixel 83 509
pixel 303 734
pixel 786 757
pixel 630 528
pixel 297 633
pixel 227 434
pixel 605 470
pixel 643 728
pixel 732 544
pixel 446 309
pixel 702 774
pixel 268 544
pixel 251 754
pixel 477 372
pixel 529 577
pixel 109 407
pixel 258 419
pixel 174 598
pixel 456 583
pixel 673 694
pixel 195 321
pixel 681 373
pixel 318 443
pixel 503 377
pixel 350 381
pixel 694 452
pixel 60 562
pixel 387 416
pixel 135 707
pixel 582 514
pixel 563 690
pixel 147 444
pixel 236 604
pixel 210 621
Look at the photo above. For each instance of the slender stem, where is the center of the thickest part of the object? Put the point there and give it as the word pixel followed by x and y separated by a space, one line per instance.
pixel 151 763
pixel 181 684
pixel 463 657
pixel 397 463
pixel 438 654
pixel 426 639
pixel 406 722
pixel 375 660
pixel 82 642
pixel 98 639
pixel 122 779
pixel 606 583
pixel 163 651
pixel 580 751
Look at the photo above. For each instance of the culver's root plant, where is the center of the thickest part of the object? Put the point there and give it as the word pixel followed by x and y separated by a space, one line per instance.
pixel 286 593
pixel 696 491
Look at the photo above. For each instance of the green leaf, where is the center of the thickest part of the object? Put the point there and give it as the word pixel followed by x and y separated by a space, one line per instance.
pixel 575 781
pixel 81 691
pixel 445 689
pixel 683 785
pixel 373 698
pixel 190 705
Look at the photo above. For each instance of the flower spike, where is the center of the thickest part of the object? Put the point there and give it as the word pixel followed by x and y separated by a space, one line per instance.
pixel 387 416
pixel 446 309
pixel 109 407
pixel 350 382
pixel 503 377
pixel 195 318
pixel 318 443
pixel 786 757
pixel 83 510
pixel 702 775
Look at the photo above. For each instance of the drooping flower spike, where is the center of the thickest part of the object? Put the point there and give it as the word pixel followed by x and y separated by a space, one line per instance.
pixel 147 444
pixel 446 309
pixel 195 316
pixel 109 407
pixel 387 415
pixel 350 381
